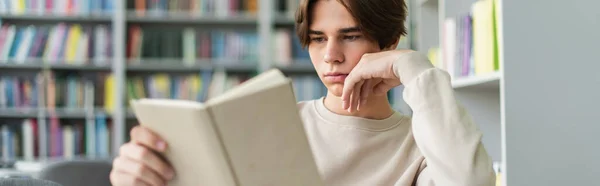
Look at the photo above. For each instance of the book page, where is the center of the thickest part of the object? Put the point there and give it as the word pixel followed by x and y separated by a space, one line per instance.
pixel 265 139
pixel 263 81
pixel 193 147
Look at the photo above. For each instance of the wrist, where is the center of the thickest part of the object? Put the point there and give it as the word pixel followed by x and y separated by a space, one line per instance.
pixel 409 64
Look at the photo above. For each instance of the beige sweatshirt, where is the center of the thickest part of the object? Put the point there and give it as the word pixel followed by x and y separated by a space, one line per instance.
pixel 439 145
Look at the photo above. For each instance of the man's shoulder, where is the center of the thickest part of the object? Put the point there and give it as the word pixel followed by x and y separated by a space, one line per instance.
pixel 305 104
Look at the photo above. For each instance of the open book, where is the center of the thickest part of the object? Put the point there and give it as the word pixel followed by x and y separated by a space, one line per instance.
pixel 250 135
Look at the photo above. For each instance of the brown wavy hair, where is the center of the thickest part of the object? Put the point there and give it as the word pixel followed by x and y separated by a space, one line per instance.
pixel 379 20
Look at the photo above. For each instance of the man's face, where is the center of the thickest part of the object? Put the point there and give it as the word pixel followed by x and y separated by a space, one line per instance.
pixel 336 44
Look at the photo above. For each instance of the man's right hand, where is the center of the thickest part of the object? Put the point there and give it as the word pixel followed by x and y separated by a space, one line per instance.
pixel 138 162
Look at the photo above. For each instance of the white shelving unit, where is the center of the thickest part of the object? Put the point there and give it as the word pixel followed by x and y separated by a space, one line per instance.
pixel 479 94
pixel 488 81
pixel 538 113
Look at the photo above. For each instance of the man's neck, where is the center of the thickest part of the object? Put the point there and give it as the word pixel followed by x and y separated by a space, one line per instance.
pixel 377 107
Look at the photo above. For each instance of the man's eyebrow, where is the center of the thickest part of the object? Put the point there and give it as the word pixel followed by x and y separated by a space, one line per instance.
pixel 349 30
pixel 314 32
pixel 341 30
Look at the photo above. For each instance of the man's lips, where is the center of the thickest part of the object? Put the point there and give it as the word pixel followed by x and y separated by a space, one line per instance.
pixel 335 77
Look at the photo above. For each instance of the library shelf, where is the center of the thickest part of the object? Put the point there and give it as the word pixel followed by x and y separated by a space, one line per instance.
pixel 89 18
pixel 168 65
pixel 37 65
pixel 486 81
pixel 61 113
pixel 188 18
pixel 18 113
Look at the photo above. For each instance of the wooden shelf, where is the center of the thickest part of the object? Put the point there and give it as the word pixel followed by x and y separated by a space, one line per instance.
pixel 488 81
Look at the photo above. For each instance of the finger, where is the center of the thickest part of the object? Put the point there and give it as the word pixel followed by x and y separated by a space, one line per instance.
pixel 130 172
pixel 356 96
pixel 149 159
pixel 365 91
pixel 146 137
pixel 349 85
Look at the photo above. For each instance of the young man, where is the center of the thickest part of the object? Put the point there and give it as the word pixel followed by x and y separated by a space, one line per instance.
pixel 356 137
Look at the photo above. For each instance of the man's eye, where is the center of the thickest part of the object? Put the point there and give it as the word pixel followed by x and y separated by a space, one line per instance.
pixel 318 39
pixel 351 38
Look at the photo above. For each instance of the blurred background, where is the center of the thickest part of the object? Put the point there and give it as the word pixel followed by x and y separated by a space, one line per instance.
pixel 525 70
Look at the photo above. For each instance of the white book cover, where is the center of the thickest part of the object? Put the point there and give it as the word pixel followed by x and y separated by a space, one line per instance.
pixel 82 50
pixel 189 45
pixel 28 143
pixel 217 85
pixel 100 45
pixel 60 7
pixel 68 142
pixel 41 8
pixel 90 125
pixel 283 50
pixel 222 8
pixel 450 46
pixel 5 142
pixel 3 6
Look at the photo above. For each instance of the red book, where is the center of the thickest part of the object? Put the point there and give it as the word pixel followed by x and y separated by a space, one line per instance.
pixel 55 136
pixel 36 144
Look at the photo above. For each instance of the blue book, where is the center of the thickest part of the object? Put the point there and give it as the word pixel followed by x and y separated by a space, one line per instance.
pixel 71 92
pixel 218 44
pixel 101 135
pixel 8 88
pixel 174 87
pixel 7 143
pixel 206 78
pixel 107 6
pixel 34 94
pixel 16 43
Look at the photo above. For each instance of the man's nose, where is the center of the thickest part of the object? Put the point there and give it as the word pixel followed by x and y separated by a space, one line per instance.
pixel 333 54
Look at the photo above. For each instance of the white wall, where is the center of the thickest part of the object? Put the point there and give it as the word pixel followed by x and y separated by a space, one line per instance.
pixel 552 92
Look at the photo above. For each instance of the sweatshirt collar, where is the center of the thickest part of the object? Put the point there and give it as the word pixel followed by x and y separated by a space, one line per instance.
pixel 357 122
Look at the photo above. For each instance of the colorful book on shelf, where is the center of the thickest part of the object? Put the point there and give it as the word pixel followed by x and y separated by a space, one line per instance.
pixel 61 43
pixel 190 45
pixel 60 7
pixel 485 45
pixel 282 150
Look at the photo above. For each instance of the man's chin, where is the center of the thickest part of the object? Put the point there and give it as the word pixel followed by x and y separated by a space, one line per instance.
pixel 335 89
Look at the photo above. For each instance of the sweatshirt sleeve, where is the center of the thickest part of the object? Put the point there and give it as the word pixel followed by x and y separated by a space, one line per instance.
pixel 443 131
